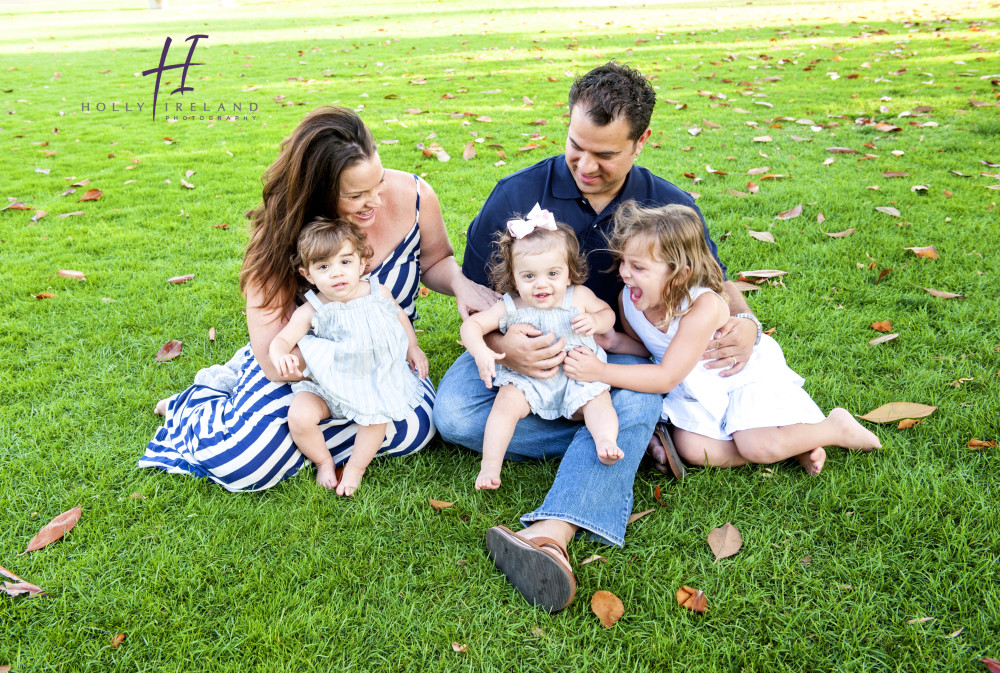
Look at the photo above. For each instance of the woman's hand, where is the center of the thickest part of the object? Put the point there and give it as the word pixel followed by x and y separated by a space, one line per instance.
pixel 731 346
pixel 417 361
pixel 582 365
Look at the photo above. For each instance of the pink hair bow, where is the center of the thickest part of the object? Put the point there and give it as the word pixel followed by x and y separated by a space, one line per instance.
pixel 538 218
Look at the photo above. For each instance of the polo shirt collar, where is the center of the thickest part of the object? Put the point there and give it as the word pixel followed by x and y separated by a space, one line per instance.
pixel 564 187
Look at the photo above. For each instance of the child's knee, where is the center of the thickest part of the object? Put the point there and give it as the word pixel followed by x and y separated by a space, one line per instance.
pixel 303 416
pixel 510 400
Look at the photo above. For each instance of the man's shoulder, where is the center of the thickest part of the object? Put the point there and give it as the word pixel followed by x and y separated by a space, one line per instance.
pixel 536 173
pixel 650 188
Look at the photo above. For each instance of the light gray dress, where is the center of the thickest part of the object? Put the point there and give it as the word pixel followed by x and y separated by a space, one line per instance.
pixel 558 396
pixel 358 363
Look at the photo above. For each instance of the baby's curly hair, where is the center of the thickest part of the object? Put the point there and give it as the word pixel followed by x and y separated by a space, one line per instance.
pixel 324 237
pixel 501 269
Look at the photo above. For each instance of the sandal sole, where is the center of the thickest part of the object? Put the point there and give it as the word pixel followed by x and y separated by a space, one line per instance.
pixel 533 571
pixel 673 458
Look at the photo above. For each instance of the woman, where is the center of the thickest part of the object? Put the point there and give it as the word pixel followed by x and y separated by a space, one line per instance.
pixel 230 426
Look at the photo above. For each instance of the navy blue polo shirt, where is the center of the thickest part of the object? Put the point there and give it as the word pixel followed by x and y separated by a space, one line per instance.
pixel 550 183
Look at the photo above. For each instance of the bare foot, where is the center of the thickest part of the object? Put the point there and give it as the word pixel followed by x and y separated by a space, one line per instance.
pixel 326 474
pixel 489 475
pixel 349 481
pixel 658 454
pixel 161 407
pixel 854 436
pixel 609 454
pixel 812 461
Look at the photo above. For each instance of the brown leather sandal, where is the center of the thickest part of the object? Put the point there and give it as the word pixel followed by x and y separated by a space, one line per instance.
pixel 531 568
pixel 674 462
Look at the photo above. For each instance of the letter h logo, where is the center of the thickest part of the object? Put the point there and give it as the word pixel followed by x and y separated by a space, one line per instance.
pixel 186 64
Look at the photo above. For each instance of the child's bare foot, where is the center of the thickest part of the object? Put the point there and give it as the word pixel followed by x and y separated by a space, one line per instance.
pixel 489 476
pixel 349 481
pixel 326 474
pixel 812 461
pixel 161 407
pixel 854 436
pixel 609 454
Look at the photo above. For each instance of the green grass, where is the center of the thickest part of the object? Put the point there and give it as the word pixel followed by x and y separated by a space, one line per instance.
pixel 293 578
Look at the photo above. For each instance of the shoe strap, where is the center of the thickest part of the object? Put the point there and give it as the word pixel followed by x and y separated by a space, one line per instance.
pixel 543 541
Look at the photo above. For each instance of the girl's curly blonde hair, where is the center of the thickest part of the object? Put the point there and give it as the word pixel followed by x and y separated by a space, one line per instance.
pixel 675 236
pixel 501 269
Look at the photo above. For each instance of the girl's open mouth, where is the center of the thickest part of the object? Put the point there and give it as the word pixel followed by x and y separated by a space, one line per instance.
pixel 635 294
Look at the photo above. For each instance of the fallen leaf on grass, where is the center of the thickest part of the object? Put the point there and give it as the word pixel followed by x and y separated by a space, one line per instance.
pixel 841 234
pixel 438 505
pixel 177 280
pixel 927 252
pixel 137 496
pixel 185 183
pixel 765 236
pixel 54 530
pixel 981 444
pixel 907 423
pixel 169 351
pixel 469 152
pixel 882 339
pixel 789 214
pixel 9 574
pixel 91 195
pixel 638 515
pixel 762 139
pixel 692 599
pixel 593 558
pixel 752 187
pixel 607 607
pixel 538 632
pixel 882 326
pixel 66 273
pixel 744 286
pixel 459 647
pixel 39 214
pixel 725 541
pixel 992 664
pixel 45 295
pixel 761 273
pixel 758 171
pixel 895 411
pixel 944 295
pixel 211 334
pixel 919 620
pixel 656 494
pixel 895 174
pixel 955 633
pixel 117 640
pixel 841 150
pixel 75 212
pixel 888 210
pixel 4 669
pixel 18 588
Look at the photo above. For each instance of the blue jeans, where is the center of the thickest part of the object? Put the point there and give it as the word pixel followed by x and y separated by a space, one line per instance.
pixel 586 493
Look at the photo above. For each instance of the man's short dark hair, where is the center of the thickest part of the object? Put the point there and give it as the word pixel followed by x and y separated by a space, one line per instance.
pixel 611 91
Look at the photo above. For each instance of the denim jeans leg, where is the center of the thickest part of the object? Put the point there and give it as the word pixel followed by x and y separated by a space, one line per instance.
pixel 463 404
pixel 594 496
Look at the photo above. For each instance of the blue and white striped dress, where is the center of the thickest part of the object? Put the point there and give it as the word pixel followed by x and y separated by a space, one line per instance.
pixel 237 435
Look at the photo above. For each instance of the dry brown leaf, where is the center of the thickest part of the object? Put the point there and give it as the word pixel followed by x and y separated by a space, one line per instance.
pixel 8 574
pixel 117 640
pixel 76 275
pixel 177 280
pixel 725 541
pixel 459 647
pixel 907 423
pixel 764 236
pixel 841 150
pixel 895 174
pixel 137 496
pixel 762 273
pixel 991 664
pixel 169 350
pixel 22 587
pixel 736 192
pixel 944 295
pixel 44 295
pixel 54 530
pixel 888 210
pixel 841 234
pixel 927 252
pixel 424 291
pixel 981 444
pixel 638 515
pixel 470 151
pixel 712 170
pixel 188 174
pixel 538 632
pixel 744 286
pixel 762 139
pixel 758 171
pixel 955 633
pixel 17 205
pixel 919 620
pixel 438 505
pixel 81 183
pixel 591 559
pixel 692 599
pixel 211 334
pixel 75 212
pixel 789 214
pixel 607 607
pixel 656 494
pixel 185 183
pixel 882 339
pixel 39 214
pixel 4 669
pixel 752 187
pixel 882 326
pixel 91 195
pixel 895 411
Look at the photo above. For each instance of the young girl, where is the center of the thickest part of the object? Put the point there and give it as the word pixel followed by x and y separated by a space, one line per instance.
pixel 359 362
pixel 673 303
pixel 539 268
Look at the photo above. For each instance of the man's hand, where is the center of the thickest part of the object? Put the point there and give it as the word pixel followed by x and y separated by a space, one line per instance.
pixel 473 298
pixel 582 365
pixel 731 347
pixel 531 352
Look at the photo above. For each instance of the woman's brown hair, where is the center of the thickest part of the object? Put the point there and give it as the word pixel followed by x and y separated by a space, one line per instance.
pixel 501 269
pixel 676 237
pixel 302 185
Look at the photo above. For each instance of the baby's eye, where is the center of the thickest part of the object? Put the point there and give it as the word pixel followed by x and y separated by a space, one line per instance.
pixel 553 273
pixel 529 276
pixel 323 267
pixel 347 261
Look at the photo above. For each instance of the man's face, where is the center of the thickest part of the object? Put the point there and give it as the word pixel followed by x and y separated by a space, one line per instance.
pixel 599 157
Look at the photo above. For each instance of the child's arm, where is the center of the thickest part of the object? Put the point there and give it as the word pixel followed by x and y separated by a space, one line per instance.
pixel 708 314
pixel 473 329
pixel 414 356
pixel 283 343
pixel 595 317
pixel 628 343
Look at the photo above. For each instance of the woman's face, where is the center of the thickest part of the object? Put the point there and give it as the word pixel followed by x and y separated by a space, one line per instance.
pixel 360 187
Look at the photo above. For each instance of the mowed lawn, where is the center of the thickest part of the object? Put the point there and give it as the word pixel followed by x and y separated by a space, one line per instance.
pixel 837 143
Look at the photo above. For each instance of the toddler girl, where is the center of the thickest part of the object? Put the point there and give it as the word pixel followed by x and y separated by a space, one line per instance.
pixel 359 362
pixel 673 303
pixel 539 268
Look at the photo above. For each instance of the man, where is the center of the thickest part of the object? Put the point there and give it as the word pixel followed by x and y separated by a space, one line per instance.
pixel 610 110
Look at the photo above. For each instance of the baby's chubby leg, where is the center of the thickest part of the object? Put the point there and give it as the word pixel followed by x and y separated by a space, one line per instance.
pixel 304 415
pixel 366 444
pixel 509 407
pixel 602 421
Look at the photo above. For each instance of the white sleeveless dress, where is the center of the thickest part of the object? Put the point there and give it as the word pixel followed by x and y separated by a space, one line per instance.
pixel 765 393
